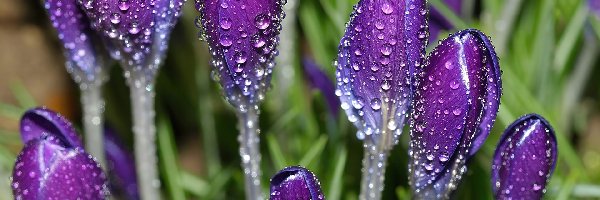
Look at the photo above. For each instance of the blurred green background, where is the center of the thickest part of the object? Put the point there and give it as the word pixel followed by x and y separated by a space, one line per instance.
pixel 548 52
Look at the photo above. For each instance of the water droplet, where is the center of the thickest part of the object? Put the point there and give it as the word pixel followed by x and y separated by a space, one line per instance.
pixel 457 111
pixel 387 9
pixel 226 23
pixel 262 21
pixel 454 85
pixel 226 40
pixel 123 5
pixel 240 57
pixel 134 28
pixel 376 104
pixel 115 18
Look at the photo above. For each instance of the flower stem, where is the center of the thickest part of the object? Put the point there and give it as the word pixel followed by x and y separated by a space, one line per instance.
pixel 93 108
pixel 144 130
pixel 374 163
pixel 250 152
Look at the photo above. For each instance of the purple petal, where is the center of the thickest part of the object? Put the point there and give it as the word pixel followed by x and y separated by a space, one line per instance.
pixel 84 52
pixel 319 80
pixel 295 183
pixel 384 42
pixel 456 101
pixel 38 122
pixel 437 21
pixel 524 159
pixel 594 6
pixel 242 37
pixel 121 165
pixel 137 30
pixel 52 165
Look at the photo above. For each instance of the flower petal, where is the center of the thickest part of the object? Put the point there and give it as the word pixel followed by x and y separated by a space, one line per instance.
pixel 83 49
pixel 295 183
pixel 46 170
pixel 121 165
pixel 524 160
pixel 242 37
pixel 437 21
pixel 384 42
pixel 319 80
pixel 455 106
pixel 38 122
pixel 137 30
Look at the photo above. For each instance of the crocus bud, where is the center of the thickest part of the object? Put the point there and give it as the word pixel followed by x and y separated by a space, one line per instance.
pixel 242 38
pixel 121 166
pixel 84 52
pixel 53 164
pixel 524 160
pixel 384 42
pixel 295 183
pixel 456 101
pixel 320 81
pixel 137 31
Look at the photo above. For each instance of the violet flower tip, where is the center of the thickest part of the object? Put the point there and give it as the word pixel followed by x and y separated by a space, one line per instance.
pixel 295 182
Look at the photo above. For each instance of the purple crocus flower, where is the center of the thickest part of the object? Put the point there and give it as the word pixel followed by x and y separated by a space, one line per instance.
pixel 319 80
pixel 525 159
pixel 53 164
pixel 295 182
pixel 121 166
pixel 455 105
pixel 84 51
pixel 242 38
pixel 137 31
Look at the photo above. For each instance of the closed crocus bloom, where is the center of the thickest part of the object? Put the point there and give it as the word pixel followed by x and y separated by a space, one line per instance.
pixel 524 160
pixel 320 81
pixel 383 44
pixel 121 166
pixel 242 38
pixel 295 183
pixel 53 164
pixel 137 31
pixel 456 101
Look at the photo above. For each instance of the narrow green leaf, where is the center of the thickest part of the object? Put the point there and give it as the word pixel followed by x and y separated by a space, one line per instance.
pixel 22 95
pixel 10 111
pixel 168 160
pixel 449 14
pixel 276 152
pixel 314 151
pixel 567 42
pixel 335 189
pixel 194 185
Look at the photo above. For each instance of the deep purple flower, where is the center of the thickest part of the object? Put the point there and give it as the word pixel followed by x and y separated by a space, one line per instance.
pixel 455 105
pixel 53 164
pixel 437 21
pixel 294 183
pixel 86 56
pixel 383 44
pixel 524 159
pixel 121 166
pixel 242 38
pixel 137 30
pixel 319 80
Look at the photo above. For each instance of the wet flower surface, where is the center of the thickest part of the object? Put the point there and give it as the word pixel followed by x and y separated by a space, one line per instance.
pixel 456 101
pixel 53 164
pixel 525 159
pixel 295 182
pixel 242 38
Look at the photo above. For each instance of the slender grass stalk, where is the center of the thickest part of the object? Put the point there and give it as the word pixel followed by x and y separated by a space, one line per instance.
pixel 93 121
pixel 250 152
pixel 144 130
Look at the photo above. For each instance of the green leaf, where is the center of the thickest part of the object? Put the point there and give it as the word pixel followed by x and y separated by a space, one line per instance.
pixel 314 151
pixel 335 189
pixel 168 160
pixel 23 96
pixel 276 152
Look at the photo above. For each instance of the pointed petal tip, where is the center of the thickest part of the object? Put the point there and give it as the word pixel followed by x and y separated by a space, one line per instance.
pixel 525 159
pixel 295 182
pixel 38 121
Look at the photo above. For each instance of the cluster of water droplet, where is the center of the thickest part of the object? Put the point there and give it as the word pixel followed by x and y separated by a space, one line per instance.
pixel 137 31
pixel 524 160
pixel 84 53
pixel 382 45
pixel 242 39
pixel 455 105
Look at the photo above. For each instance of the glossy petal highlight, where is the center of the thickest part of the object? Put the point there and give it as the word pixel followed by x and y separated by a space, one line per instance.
pixel 525 159
pixel 242 38
pixel 456 101
pixel 384 42
pixel 295 182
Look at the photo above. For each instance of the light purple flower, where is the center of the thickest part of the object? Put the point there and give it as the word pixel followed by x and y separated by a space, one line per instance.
pixel 525 159
pixel 455 105
pixel 83 49
pixel 383 44
pixel 53 164
pixel 294 183
pixel 242 38
pixel 137 31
